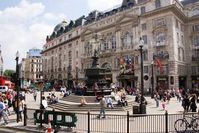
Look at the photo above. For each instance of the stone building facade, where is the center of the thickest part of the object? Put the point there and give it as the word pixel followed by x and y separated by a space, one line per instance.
pixel 31 67
pixel 168 29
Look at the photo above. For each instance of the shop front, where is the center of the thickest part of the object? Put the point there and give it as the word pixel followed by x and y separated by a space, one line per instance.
pixel 182 82
pixel 127 80
pixel 195 82
pixel 162 83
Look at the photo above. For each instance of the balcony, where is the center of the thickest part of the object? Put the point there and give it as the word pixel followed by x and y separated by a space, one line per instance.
pixel 160 44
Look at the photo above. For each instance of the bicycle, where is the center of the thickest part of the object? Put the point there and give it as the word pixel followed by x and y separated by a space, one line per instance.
pixel 181 125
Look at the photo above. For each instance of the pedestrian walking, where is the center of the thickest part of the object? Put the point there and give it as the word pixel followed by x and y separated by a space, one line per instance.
pixel 44 104
pixel 3 113
pixel 102 107
pixel 19 109
pixel 193 105
pixel 156 98
pixel 35 95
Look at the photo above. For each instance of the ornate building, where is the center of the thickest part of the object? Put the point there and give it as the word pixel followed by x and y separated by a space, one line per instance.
pixel 168 28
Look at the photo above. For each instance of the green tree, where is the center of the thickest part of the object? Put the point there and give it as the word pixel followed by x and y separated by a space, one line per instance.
pixel 10 74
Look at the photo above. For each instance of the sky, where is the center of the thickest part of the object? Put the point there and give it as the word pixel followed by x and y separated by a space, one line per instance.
pixel 24 24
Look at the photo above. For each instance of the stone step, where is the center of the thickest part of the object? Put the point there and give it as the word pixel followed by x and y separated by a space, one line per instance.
pixel 91 107
pixel 77 99
pixel 87 109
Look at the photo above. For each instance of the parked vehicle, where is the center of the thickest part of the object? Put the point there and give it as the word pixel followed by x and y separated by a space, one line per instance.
pixel 3 89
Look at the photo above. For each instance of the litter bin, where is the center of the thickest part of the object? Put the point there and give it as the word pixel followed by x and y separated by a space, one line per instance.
pixel 143 108
pixel 136 109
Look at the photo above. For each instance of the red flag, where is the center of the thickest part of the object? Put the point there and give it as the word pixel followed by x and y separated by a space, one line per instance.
pixel 159 64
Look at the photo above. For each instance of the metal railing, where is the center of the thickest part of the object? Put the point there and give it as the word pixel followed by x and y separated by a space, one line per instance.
pixel 115 123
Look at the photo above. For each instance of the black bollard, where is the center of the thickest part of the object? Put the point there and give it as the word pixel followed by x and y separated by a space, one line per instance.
pixel 25 115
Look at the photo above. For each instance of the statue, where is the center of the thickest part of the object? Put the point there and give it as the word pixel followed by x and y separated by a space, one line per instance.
pixel 95 59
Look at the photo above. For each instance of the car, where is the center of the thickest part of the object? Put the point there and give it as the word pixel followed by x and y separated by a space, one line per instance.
pixel 3 89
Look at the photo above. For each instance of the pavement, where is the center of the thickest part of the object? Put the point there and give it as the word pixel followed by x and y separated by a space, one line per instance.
pixel 173 107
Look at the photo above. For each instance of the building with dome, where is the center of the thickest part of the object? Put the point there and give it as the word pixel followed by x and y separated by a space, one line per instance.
pixel 168 29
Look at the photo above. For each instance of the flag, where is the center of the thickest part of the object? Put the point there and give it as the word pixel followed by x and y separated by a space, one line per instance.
pixel 159 64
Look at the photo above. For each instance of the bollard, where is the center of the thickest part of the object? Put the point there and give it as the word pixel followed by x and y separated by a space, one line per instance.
pixel 88 121
pixel 54 119
pixel 166 122
pixel 40 117
pixel 25 115
pixel 127 121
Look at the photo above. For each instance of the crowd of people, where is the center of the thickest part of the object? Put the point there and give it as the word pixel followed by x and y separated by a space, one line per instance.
pixel 8 100
pixel 188 99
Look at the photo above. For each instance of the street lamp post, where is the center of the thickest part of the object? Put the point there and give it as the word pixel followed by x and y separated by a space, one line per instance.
pixel 142 105
pixel 152 79
pixel 17 83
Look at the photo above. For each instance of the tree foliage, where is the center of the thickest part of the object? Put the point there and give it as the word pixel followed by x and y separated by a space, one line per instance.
pixel 9 73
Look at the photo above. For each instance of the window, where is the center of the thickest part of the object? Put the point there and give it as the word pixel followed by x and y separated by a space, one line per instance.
pixel 105 45
pixel 196 42
pixel 113 42
pixel 182 39
pixel 143 10
pixel 196 28
pixel 177 26
pixel 181 56
pixel 194 70
pixel 76 54
pixel 157 4
pixel 144 37
pixel 195 11
pixel 127 40
pixel 145 55
pixel 159 22
pixel 146 69
pixel 70 57
pixel 195 55
pixel 144 27
pixel 160 37
pixel 177 37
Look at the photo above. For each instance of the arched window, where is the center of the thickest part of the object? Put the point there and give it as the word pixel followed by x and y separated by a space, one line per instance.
pixel 157 4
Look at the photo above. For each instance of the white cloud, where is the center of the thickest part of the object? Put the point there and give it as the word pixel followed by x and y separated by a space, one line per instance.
pixel 24 26
pixel 102 5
